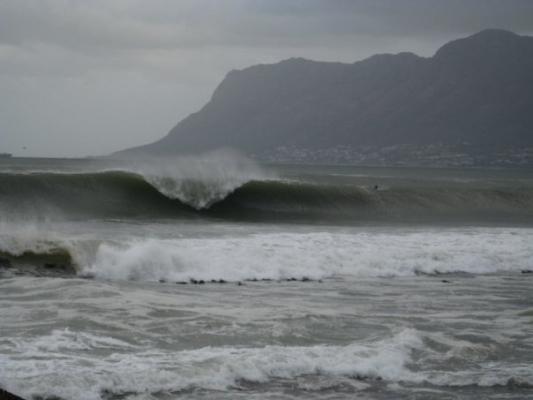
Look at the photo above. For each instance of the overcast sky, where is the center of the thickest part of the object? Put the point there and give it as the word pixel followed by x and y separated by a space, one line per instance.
pixel 88 77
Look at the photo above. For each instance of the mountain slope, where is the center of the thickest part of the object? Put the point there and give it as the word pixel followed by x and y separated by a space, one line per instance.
pixel 477 90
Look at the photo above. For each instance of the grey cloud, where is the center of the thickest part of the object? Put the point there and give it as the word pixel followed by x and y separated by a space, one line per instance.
pixel 99 25
pixel 83 26
pixel 409 17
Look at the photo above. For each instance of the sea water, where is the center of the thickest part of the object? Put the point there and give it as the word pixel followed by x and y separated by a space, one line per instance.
pixel 217 278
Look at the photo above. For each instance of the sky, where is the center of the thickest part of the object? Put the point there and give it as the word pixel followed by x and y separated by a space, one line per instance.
pixel 89 77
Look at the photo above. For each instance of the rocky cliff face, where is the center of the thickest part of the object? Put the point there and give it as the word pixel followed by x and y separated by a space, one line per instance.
pixel 477 90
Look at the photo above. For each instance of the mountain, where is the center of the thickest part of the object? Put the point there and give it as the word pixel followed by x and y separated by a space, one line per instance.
pixel 476 90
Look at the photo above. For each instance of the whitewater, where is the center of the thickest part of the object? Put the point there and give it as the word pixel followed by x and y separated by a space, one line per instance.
pixel 213 277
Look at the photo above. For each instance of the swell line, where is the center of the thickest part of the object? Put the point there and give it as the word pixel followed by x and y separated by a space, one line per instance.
pixel 116 194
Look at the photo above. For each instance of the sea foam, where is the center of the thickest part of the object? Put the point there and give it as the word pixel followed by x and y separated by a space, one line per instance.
pixel 280 256
pixel 315 255
pixel 74 373
pixel 89 367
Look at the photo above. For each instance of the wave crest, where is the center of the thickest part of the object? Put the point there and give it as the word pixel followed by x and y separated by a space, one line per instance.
pixel 202 181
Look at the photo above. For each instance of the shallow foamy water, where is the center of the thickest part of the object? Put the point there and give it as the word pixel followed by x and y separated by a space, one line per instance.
pixel 381 313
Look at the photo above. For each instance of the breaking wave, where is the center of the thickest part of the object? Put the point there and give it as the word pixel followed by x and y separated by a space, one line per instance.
pixel 248 196
pixel 275 256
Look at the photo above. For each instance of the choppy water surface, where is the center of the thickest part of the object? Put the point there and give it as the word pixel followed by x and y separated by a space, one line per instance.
pixel 114 287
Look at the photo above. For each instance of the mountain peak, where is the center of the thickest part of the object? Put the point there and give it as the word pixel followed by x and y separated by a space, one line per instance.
pixel 489 42
pixel 494 33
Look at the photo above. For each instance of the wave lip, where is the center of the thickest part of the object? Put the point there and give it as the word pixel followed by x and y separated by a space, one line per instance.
pixel 202 181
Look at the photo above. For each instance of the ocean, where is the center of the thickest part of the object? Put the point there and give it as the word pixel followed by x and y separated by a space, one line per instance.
pixel 214 277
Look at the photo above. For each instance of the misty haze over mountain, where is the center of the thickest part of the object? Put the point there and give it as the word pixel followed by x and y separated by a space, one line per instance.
pixel 473 91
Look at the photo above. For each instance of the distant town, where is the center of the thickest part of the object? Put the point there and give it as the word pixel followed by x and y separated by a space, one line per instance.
pixel 435 155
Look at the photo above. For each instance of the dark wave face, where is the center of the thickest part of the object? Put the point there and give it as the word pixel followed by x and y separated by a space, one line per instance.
pixel 123 194
pixel 355 203
pixel 83 195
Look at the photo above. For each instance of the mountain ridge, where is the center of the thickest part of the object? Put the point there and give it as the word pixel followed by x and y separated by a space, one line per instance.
pixel 474 90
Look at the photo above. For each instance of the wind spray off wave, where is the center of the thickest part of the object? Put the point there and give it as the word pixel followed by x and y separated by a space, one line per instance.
pixel 201 181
